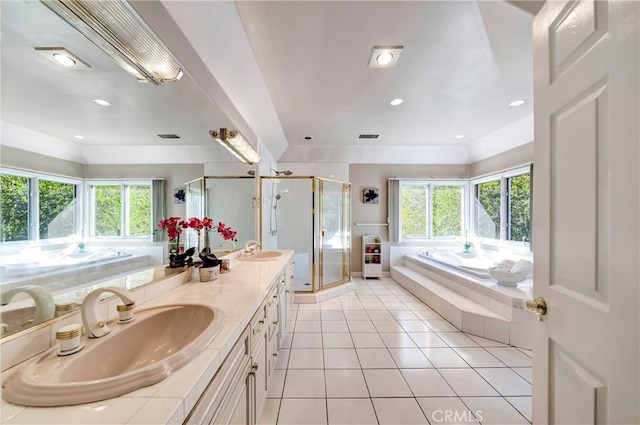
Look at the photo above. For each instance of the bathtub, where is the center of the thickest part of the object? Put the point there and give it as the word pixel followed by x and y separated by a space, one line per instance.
pixel 469 264
pixel 62 262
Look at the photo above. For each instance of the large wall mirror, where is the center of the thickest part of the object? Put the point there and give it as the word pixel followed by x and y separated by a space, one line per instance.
pixel 51 126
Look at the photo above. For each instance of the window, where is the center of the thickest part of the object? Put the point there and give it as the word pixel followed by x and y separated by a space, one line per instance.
pixel 37 207
pixel 502 206
pixel 120 209
pixel 431 209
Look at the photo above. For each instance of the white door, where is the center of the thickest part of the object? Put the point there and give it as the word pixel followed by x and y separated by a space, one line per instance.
pixel 586 212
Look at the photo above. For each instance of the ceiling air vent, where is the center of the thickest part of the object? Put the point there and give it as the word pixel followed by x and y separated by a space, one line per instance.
pixel 169 136
pixel 368 136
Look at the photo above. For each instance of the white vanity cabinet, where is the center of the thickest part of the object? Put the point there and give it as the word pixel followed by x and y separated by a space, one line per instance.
pixel 238 391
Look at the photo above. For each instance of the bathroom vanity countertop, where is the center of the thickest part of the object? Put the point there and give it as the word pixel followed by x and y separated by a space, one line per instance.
pixel 237 293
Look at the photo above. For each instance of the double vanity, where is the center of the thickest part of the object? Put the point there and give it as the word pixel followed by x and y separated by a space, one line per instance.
pixel 203 352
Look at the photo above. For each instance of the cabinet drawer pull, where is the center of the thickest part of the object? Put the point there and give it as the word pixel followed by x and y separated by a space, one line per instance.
pixel 261 322
pixel 275 323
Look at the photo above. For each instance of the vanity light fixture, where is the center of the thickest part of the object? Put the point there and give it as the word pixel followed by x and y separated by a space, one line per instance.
pixel 396 101
pixel 237 145
pixel 517 102
pixel 62 56
pixel 384 57
pixel 102 102
pixel 117 30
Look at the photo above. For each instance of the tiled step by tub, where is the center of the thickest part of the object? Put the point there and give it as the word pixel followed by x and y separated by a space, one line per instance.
pixel 460 311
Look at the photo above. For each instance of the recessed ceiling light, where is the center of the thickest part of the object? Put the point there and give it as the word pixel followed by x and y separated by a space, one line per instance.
pixel 396 101
pixel 102 102
pixel 79 137
pixel 63 57
pixel 384 57
pixel 517 102
pixel 460 136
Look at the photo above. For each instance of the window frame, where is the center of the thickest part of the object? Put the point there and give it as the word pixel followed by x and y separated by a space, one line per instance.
pixel 429 184
pixel 34 204
pixel 505 204
pixel 124 208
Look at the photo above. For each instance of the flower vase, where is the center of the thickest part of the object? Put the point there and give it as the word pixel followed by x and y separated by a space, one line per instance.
pixel 208 274
pixel 206 242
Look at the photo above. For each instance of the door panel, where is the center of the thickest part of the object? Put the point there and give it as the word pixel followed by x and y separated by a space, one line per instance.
pixel 586 212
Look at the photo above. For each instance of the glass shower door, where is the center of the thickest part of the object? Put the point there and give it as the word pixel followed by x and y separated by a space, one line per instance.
pixel 332 220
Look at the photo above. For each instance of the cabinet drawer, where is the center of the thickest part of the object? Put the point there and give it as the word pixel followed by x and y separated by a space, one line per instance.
pixel 372 269
pixel 258 324
pixel 273 352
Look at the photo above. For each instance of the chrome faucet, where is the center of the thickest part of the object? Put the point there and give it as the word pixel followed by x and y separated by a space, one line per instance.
pixel 249 247
pixel 233 246
pixel 94 325
pixel 45 306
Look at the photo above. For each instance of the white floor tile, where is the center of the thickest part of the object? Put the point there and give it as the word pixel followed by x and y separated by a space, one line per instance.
pixel 414 326
pixel 510 356
pixel 441 326
pixel 506 381
pixel 283 359
pixel 525 372
pixel 331 305
pixel 341 358
pixel 276 383
pixel 494 410
pixel 367 340
pixel 374 306
pixel 427 383
pixel 308 307
pixel 304 384
pixel 397 411
pixel 457 339
pixel 334 326
pixel 404 315
pixel 478 357
pixel 308 326
pixel 446 410
pixel 444 357
pixel 386 383
pixel 387 326
pixel 427 339
pixel 522 404
pixel 306 358
pixel 337 340
pixel 361 326
pixel 345 383
pixel 269 414
pixel 307 340
pixel 332 314
pixel 410 358
pixel 395 306
pixel 467 382
pixel 380 315
pixel 308 315
pixel 484 342
pixel 375 358
pixel 397 340
pixel 303 412
pixel 347 411
pixel 353 315
pixel 286 340
pixel 529 353
pixel 427 315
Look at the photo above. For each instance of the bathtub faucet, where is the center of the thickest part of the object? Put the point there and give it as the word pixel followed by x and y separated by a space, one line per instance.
pixel 45 306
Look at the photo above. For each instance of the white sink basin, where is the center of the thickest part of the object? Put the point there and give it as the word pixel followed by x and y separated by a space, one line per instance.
pixel 160 340
pixel 262 256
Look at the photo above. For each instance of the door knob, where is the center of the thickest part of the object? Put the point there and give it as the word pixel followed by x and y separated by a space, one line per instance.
pixel 538 306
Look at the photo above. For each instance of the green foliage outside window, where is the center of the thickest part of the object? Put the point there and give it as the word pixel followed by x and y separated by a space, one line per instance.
pixel 56 205
pixel 447 208
pixel 488 209
pixel 14 208
pixel 414 211
pixel 520 208
pixel 107 210
pixel 139 210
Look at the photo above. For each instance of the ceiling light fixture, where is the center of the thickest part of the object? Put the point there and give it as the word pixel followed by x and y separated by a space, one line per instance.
pixel 384 57
pixel 237 145
pixel 517 102
pixel 116 28
pixel 460 136
pixel 396 101
pixel 62 56
pixel 79 137
pixel 102 102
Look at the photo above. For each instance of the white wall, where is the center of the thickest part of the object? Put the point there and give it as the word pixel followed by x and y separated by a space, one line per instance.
pixel 328 170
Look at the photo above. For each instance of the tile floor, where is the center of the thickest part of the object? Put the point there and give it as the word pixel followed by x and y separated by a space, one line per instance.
pixel 378 355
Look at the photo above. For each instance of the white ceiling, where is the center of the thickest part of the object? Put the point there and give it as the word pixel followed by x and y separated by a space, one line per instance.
pixel 286 70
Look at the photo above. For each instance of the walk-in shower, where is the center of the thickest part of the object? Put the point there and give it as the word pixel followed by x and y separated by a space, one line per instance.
pixel 310 215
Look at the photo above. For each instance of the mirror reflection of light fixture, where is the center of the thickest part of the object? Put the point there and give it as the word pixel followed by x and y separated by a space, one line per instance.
pixel 237 145
pixel 117 29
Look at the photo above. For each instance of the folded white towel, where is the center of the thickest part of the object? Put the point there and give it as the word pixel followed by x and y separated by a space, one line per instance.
pixel 522 266
pixel 505 265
